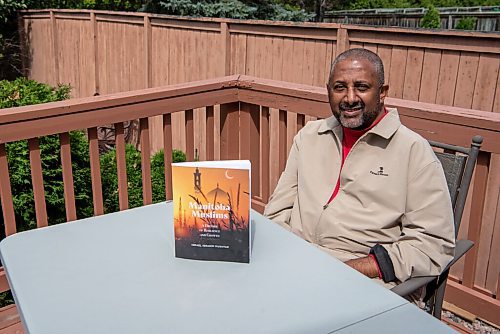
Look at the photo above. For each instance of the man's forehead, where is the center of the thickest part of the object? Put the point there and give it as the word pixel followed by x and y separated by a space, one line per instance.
pixel 353 64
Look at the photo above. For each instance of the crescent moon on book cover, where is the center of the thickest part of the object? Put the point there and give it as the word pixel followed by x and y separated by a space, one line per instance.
pixel 228 176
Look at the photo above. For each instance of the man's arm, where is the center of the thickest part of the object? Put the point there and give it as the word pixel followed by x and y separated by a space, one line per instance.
pixel 427 239
pixel 366 265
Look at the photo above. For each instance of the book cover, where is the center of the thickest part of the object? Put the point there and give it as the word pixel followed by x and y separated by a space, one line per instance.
pixel 212 210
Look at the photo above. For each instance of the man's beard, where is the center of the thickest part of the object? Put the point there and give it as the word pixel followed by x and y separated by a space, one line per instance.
pixel 361 121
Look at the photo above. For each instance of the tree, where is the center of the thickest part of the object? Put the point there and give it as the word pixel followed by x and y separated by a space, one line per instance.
pixel 431 19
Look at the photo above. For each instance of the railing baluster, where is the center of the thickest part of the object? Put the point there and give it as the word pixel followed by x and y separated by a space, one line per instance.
pixel 250 142
pixel 9 217
pixel 147 194
pixel 210 132
pixel 121 167
pixel 67 173
pixel 95 172
pixel 189 126
pixel 229 131
pixel 37 180
pixel 167 152
pixel 300 121
pixel 283 150
pixel 265 154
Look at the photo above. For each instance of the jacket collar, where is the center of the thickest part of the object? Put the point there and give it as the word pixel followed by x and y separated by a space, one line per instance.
pixel 385 129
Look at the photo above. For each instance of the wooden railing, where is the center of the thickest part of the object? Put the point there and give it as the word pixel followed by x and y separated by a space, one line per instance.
pixel 255 119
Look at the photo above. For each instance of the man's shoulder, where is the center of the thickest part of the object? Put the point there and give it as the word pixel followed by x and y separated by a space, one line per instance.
pixel 319 126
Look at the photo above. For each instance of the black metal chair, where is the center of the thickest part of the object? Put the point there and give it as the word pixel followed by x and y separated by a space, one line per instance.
pixel 458 164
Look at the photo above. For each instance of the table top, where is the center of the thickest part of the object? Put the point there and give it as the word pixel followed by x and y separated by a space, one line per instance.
pixel 117 273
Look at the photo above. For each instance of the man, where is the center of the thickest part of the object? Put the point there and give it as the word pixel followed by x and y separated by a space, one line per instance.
pixel 362 186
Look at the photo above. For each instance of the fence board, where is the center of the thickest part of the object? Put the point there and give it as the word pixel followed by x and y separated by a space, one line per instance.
pixel 430 76
pixel 277 58
pixel 330 54
pixel 297 59
pixel 447 77
pixel 484 89
pixel 385 53
pixel 308 63
pixel 413 74
pixel 467 71
pixel 76 56
pixel 397 71
pixel 250 56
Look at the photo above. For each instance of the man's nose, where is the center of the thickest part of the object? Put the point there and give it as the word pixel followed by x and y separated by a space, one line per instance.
pixel 352 96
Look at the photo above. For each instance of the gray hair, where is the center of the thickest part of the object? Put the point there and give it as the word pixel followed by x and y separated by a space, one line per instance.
pixel 365 54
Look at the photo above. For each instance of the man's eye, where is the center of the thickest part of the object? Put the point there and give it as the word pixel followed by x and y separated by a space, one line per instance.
pixel 338 88
pixel 362 88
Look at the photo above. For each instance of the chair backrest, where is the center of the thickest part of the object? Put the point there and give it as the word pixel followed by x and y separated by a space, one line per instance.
pixel 458 165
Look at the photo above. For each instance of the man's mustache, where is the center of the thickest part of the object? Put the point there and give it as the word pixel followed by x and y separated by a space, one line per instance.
pixel 350 106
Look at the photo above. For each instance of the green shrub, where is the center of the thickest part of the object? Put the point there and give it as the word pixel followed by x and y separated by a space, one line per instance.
pixel 22 92
pixel 431 19
pixel 466 23
pixel 134 177
pixel 50 152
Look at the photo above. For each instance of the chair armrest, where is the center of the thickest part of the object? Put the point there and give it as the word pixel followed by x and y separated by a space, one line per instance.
pixel 461 247
pixel 412 284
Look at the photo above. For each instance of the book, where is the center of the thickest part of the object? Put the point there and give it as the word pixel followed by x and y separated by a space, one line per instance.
pixel 211 201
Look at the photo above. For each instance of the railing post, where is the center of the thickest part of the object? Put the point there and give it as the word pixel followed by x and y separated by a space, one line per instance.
pixel 226 48
pixel 342 40
pixel 229 131
pixel 250 142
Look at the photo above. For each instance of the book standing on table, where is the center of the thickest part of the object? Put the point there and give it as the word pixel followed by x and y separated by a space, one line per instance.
pixel 212 210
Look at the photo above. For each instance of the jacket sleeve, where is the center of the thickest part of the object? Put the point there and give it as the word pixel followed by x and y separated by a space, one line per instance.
pixel 280 205
pixel 427 240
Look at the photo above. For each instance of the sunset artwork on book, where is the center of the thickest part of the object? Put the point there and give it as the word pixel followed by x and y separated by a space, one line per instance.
pixel 212 210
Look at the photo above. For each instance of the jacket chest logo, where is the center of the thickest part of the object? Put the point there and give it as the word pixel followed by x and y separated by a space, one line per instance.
pixel 380 172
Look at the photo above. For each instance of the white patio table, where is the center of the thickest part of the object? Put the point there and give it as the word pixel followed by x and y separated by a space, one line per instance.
pixel 117 273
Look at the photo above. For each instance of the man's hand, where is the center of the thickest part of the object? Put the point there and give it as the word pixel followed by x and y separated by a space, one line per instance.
pixel 365 265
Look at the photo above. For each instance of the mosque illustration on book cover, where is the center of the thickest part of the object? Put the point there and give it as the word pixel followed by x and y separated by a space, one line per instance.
pixel 211 212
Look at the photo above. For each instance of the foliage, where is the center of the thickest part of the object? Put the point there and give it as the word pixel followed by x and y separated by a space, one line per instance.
pixel 431 19
pixel 26 92
pixel 118 5
pixel 50 152
pixel 134 177
pixel 22 92
pixel 235 9
pixel 466 23
pixel 8 9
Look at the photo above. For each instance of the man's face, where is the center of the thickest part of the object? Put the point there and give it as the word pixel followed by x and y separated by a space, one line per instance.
pixel 356 99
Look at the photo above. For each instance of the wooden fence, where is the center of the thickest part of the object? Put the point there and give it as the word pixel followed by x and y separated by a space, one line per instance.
pixel 253 125
pixel 100 52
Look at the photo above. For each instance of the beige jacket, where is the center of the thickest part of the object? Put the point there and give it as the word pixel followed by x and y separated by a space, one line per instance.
pixel 392 192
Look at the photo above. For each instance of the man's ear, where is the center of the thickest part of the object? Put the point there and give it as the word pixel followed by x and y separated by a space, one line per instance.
pixel 383 92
